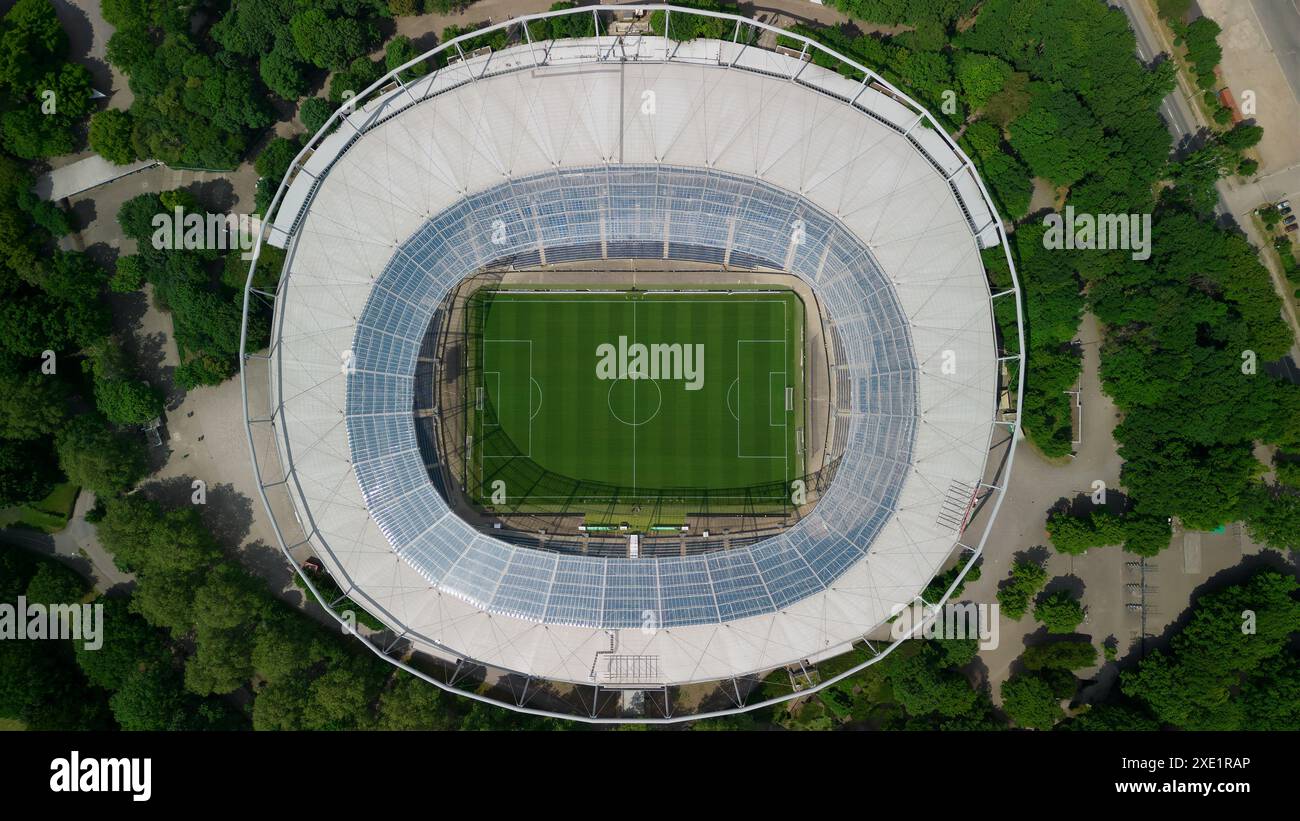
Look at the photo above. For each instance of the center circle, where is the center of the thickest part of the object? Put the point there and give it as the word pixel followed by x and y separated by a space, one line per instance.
pixel 634 404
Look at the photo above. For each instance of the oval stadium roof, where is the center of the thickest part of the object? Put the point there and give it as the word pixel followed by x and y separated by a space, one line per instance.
pixel 555 142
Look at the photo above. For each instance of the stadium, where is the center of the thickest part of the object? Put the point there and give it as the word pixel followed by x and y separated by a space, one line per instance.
pixel 632 363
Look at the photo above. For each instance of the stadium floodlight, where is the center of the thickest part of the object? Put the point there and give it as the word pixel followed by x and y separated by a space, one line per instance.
pixel 713 151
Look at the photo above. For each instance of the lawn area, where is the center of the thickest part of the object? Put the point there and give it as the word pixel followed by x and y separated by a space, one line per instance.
pixel 49 515
pixel 634 398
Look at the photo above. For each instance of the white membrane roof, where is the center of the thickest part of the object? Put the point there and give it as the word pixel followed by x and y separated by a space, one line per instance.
pixel 395 207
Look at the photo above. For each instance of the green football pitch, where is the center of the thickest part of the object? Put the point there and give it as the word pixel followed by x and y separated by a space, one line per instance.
pixel 590 402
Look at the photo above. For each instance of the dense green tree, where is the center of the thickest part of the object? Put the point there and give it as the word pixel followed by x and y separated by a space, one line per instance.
pixel 229 599
pixel 151 699
pixel 284 646
pixel 1203 51
pixel 207 316
pixel 166 601
pixel 30 323
pixel 330 43
pixel 253 27
pixel 129 646
pixel 110 136
pixel 1030 701
pixel 557 28
pixel 400 50
pixel 1054 303
pixel 939 584
pixel 957 653
pixel 482 717
pixel 144 537
pixel 282 705
pixel 270 262
pixel 55 220
pixel 31 404
pixel 275 159
pixel 28 471
pixel 128 402
pixel 31 41
pixel 1060 612
pixel 314 112
pixel 41 687
pixel 32 130
pixel 1232 634
pixel 45 96
pixel 924 684
pixel 194 105
pixel 1203 485
pixel 1145 535
pixel 353 80
pixel 283 72
pixel 412 704
pixel 164 14
pixel 1075 534
pixel 1242 136
pixel 1006 105
pixel 1059 655
pixel 136 216
pixel 1111 717
pixel 1287 467
pixel 1179 326
pixel 1196 175
pixel 1088 48
pixel 1270 698
pixel 56 583
pixel 1027 578
pixel 1272 515
pixel 343 696
pixel 981 76
pixel 17 567
pixel 95 457
pixel 686 26
pixel 203 370
pixel 129 274
pixel 40 683
pixel 906 12
pixel 221 662
pixel 1008 179
pixel 1058 137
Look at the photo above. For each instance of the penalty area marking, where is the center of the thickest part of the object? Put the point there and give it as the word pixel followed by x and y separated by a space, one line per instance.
pixel 482 450
pixel 784 456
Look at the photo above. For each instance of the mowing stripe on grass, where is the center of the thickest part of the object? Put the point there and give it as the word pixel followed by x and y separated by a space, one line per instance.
pixel 615 398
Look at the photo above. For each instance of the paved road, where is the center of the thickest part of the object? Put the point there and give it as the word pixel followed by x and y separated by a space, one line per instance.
pixel 1236 198
pixel 1280 22
pixel 77 545
pixel 1177 112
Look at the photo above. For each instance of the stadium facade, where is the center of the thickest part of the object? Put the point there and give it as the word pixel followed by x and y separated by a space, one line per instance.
pixel 633 146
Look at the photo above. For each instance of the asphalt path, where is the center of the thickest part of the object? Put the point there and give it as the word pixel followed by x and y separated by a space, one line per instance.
pixel 1280 22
